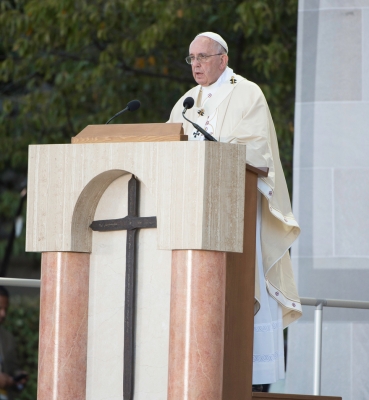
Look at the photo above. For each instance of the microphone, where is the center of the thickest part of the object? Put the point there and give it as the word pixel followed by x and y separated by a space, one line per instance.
pixel 133 105
pixel 187 104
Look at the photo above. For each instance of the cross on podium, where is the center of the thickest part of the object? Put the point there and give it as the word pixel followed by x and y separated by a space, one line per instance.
pixel 131 223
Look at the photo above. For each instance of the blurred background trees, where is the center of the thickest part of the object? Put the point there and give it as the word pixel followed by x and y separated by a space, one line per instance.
pixel 65 64
pixel 22 321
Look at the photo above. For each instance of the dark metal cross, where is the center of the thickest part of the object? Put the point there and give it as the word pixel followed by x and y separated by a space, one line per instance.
pixel 130 223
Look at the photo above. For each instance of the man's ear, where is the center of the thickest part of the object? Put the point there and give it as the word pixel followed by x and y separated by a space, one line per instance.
pixel 224 62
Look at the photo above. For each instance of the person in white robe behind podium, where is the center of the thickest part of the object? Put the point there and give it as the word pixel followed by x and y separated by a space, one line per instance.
pixel 234 110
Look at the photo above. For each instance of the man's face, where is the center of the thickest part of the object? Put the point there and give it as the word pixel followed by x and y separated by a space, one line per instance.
pixel 207 73
pixel 4 304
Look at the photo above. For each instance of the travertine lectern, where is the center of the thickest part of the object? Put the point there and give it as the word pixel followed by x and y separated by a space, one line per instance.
pixel 195 271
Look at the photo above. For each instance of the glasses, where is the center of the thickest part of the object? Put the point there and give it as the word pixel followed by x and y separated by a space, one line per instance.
pixel 200 58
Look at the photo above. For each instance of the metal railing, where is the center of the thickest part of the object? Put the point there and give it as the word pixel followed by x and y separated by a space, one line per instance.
pixel 318 324
pixel 305 301
pixel 32 283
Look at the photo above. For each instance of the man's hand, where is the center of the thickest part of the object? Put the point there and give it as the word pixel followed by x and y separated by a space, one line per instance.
pixel 6 381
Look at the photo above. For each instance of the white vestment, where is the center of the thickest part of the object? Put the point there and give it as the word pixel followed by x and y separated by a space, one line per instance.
pixel 234 110
pixel 268 354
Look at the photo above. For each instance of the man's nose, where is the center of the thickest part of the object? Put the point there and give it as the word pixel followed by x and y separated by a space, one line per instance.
pixel 196 62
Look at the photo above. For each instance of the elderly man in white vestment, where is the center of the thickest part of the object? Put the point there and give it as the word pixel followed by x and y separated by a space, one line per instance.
pixel 234 110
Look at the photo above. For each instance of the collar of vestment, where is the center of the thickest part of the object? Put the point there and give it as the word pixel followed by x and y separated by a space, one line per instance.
pixel 215 94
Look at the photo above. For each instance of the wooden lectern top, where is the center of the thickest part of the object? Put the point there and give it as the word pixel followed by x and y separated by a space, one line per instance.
pixel 168 132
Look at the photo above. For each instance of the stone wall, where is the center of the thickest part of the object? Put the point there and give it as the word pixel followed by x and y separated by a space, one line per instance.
pixel 331 194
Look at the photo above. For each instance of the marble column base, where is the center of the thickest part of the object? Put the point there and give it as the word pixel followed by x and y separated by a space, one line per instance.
pixel 197 308
pixel 63 326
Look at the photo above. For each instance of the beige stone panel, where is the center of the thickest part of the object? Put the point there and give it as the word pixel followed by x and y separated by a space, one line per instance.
pixel 198 189
pixel 106 304
pixel 224 216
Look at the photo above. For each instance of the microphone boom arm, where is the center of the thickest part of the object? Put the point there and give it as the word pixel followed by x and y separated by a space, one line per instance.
pixel 133 105
pixel 203 131
pixel 116 115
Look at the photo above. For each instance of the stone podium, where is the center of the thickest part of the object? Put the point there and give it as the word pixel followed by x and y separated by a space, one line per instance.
pixel 194 272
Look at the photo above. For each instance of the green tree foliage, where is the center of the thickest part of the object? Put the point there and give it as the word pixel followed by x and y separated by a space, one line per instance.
pixel 65 64
pixel 22 321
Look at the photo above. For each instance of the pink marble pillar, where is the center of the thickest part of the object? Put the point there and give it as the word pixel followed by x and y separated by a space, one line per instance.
pixel 197 308
pixel 63 326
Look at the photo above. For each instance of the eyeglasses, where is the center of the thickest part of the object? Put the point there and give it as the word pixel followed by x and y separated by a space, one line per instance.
pixel 200 58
